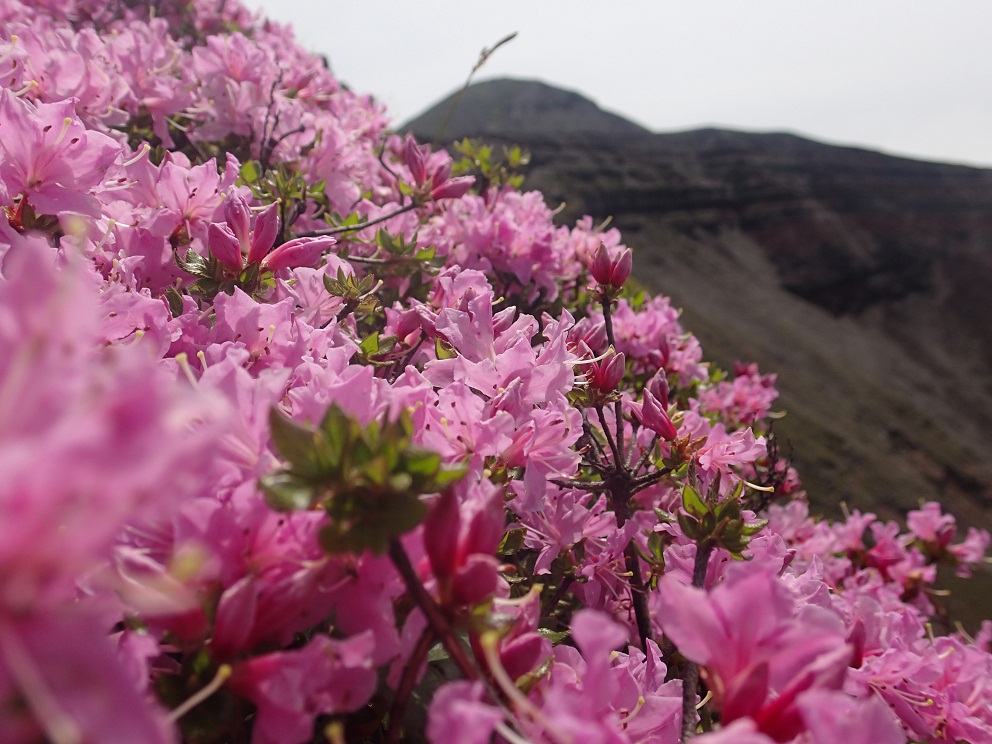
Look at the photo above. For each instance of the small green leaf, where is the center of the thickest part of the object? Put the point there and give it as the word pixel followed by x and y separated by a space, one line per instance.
pixel 555 636
pixel 251 172
pixel 707 525
pixel 423 462
pixel 297 444
pixel 175 300
pixel 512 541
pixel 753 528
pixel 443 350
pixel 437 653
pixel 284 492
pixel 370 345
pixel 692 503
pixel 656 546
pixel 448 475
pixel 689 526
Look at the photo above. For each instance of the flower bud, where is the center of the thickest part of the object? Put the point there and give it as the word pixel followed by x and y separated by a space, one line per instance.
pixel 611 271
pixel 652 416
pixel 453 188
pixel 599 267
pixel 607 375
pixel 238 217
pixel 266 229
pixel 658 385
pixel 621 268
pixel 413 154
pixel 441 532
pixel 441 173
pixel 225 247
pixel 298 252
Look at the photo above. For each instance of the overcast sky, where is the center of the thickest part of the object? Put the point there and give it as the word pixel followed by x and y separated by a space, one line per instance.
pixel 909 77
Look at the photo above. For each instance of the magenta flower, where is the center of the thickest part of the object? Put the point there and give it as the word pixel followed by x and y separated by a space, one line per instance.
pixel 757 653
pixel 292 688
pixel 50 158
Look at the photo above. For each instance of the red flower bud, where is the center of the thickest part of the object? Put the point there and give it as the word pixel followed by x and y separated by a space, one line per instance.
pixel 652 416
pixel 298 252
pixel 658 385
pixel 606 376
pixel 413 154
pixel 610 271
pixel 599 267
pixel 441 530
pixel 621 268
pixel 266 229
pixel 225 247
pixel 453 188
pixel 238 217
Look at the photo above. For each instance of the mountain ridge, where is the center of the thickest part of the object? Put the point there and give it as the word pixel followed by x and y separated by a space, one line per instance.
pixel 859 277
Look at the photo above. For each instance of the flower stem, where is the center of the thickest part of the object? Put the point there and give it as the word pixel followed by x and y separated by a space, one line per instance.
pixel 359 226
pixel 430 609
pixel 407 682
pixel 690 679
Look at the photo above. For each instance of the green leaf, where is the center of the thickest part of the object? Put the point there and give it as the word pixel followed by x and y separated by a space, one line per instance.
pixel 370 345
pixel 448 475
pixel 251 171
pixel 284 492
pixel 692 503
pixel 689 526
pixel 707 525
pixel 437 653
pixel 297 444
pixel 194 264
pixel 512 541
pixel 656 546
pixel 175 300
pixel 753 528
pixel 555 636
pixel 443 350
pixel 423 462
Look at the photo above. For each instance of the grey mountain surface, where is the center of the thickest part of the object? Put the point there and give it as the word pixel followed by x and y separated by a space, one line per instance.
pixel 860 278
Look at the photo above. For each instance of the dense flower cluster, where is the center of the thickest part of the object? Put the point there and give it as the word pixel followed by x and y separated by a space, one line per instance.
pixel 308 433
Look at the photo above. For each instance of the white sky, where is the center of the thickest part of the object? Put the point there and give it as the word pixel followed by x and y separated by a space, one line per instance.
pixel 910 77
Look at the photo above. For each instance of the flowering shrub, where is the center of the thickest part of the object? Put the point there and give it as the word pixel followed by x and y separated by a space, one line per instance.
pixel 308 433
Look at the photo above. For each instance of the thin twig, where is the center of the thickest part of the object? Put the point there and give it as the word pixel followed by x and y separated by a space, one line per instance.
pixel 430 609
pixel 407 682
pixel 647 453
pixel 617 461
pixel 484 56
pixel 690 679
pixel 360 226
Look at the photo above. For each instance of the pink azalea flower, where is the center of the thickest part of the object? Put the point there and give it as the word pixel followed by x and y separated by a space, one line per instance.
pixel 50 158
pixel 758 655
pixel 292 688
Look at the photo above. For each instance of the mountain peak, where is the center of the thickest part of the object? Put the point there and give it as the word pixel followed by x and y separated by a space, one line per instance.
pixel 528 109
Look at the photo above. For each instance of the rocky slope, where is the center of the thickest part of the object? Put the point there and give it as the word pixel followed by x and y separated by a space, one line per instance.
pixel 860 278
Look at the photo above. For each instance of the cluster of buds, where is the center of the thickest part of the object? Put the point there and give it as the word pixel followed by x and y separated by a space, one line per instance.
pixel 236 245
pixel 610 271
pixel 438 184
